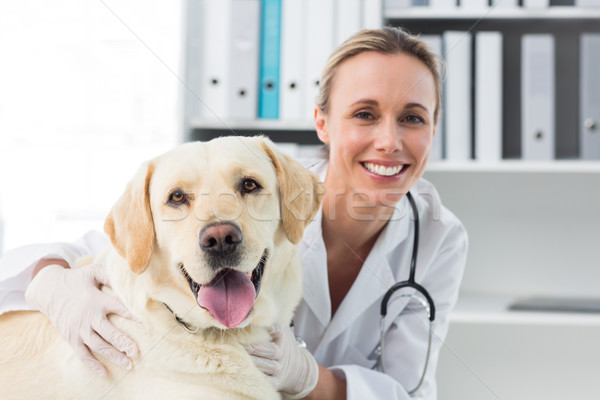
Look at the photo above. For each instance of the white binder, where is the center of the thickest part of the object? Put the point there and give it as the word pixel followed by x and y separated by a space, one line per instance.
pixel 215 74
pixel 194 61
pixel 318 45
pixel 537 97
pixel 437 147
pixel 488 96
pixel 473 4
pixel 536 3
pixel 505 3
pixel 243 63
pixel 396 4
pixel 347 19
pixel 442 3
pixel 590 96
pixel 587 3
pixel 292 104
pixel 457 112
pixel 372 17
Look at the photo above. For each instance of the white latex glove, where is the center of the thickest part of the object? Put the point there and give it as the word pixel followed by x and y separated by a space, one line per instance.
pixel 72 300
pixel 292 369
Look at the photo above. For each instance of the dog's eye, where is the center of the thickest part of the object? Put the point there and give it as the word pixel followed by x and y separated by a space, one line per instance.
pixel 177 197
pixel 249 186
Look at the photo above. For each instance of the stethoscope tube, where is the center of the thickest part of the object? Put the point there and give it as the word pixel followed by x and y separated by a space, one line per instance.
pixel 410 283
pixel 413 267
pixel 401 285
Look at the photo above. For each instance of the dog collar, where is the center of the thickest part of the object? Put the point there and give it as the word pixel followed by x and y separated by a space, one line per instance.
pixel 185 325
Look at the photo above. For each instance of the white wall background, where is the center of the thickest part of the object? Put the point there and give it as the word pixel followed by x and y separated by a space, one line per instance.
pixel 88 90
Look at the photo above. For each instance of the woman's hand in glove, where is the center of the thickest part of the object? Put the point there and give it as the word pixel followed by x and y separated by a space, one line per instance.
pixel 72 300
pixel 292 369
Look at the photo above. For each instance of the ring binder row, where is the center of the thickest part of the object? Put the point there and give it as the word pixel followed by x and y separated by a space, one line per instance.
pixel 471 122
pixel 253 60
pixel 262 59
pixel 481 4
pixel 590 97
pixel 506 93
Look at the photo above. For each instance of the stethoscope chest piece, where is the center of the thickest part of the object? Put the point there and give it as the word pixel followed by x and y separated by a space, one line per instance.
pixel 418 293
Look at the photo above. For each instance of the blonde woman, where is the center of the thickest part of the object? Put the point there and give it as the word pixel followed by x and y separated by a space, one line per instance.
pixel 377 111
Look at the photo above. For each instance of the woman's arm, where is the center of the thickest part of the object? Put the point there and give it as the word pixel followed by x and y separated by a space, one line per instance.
pixel 18 266
pixel 407 336
pixel 329 386
pixel 44 262
pixel 291 369
pixel 39 277
pixel 73 302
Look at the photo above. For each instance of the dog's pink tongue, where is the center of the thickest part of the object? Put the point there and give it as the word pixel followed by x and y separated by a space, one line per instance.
pixel 229 297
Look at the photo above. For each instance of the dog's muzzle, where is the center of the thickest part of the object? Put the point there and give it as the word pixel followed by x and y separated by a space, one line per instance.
pixel 230 295
pixel 220 243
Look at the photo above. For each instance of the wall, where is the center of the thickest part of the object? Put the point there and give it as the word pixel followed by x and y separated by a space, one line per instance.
pixel 89 90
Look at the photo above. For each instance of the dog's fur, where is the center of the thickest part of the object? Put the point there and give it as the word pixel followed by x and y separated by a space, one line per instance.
pixel 154 240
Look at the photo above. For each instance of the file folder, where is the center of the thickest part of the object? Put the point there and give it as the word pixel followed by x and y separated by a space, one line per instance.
pixel 437 147
pixel 537 97
pixel 488 96
pixel 442 4
pixel 505 3
pixel 590 96
pixel 269 59
pixel 194 61
pixel 293 55
pixel 347 16
pixel 536 3
pixel 396 4
pixel 587 3
pixel 457 112
pixel 318 46
pixel 215 75
pixel 244 59
pixel 473 4
pixel 372 17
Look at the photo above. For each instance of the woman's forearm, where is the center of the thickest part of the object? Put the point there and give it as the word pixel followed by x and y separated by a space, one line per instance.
pixel 329 387
pixel 44 262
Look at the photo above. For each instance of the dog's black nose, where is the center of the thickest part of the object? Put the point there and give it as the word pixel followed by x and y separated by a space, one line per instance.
pixel 220 239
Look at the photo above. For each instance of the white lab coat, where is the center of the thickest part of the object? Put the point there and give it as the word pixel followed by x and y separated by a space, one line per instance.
pixel 17 265
pixel 345 342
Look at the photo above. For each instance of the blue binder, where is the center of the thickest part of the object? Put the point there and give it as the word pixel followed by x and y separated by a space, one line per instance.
pixel 270 37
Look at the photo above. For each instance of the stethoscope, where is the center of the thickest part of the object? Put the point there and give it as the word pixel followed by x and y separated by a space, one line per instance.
pixel 425 299
pixel 427 302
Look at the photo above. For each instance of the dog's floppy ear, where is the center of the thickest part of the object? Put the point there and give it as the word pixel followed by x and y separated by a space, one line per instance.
pixel 301 192
pixel 129 224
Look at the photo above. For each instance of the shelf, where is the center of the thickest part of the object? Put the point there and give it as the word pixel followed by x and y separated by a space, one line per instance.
pixel 300 132
pixel 255 124
pixel 517 166
pixel 556 13
pixel 482 309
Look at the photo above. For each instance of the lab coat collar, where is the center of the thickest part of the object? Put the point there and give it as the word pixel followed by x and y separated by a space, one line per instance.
pixel 313 257
pixel 374 279
pixel 376 276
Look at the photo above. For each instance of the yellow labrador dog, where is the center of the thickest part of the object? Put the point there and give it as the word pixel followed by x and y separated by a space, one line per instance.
pixel 203 253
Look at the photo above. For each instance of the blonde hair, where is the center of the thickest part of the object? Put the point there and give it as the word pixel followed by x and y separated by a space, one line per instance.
pixel 387 40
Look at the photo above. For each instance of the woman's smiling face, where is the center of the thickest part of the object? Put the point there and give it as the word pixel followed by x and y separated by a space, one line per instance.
pixel 379 125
